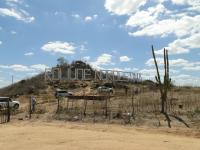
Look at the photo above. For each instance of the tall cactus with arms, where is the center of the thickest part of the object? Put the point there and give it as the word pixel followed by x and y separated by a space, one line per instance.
pixel 165 86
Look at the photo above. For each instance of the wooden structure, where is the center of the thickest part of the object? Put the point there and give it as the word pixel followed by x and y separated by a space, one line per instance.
pixel 89 97
pixel 55 74
pixel 5 113
pixel 86 98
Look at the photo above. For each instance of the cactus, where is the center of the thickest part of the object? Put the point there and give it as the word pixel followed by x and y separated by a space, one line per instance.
pixel 165 86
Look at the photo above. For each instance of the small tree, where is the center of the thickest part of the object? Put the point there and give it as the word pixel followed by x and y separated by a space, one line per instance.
pixel 61 61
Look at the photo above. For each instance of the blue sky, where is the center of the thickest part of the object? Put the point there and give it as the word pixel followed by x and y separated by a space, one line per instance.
pixel 108 34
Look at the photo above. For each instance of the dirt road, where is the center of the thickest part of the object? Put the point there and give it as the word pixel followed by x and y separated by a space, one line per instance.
pixel 71 136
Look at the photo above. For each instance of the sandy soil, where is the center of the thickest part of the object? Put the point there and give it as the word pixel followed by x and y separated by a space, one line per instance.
pixel 76 136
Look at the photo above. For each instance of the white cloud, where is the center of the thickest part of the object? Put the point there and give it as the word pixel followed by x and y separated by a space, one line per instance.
pixel 95 16
pixel 88 18
pixel 20 14
pixel 60 13
pixel 1 80
pixel 146 17
pixel 125 69
pixel 182 76
pixel 163 19
pixel 23 71
pixel 31 74
pixel 77 16
pixel 186 80
pixel 182 25
pixel 159 28
pixel 83 48
pixel 115 52
pixel 179 2
pixel 174 62
pixel 59 47
pixel 186 2
pixel 186 25
pixel 161 1
pixel 103 59
pixel 159 21
pixel 1 42
pixel 4 83
pixel 87 58
pixel 29 54
pixel 16 67
pixel 123 7
pixel 180 79
pixel 194 8
pixel 125 59
pixel 13 32
pixel 184 64
pixel 194 68
pixel 24 68
pixel 150 73
pixel 39 67
pixel 14 1
pixel 184 45
pixel 140 18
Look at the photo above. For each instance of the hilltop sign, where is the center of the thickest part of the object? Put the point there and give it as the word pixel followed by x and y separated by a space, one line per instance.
pixel 56 74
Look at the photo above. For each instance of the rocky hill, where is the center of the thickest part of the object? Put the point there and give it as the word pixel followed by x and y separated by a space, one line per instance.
pixel 37 84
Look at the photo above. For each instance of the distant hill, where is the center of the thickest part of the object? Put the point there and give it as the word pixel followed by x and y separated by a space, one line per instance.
pixel 37 83
pixel 25 86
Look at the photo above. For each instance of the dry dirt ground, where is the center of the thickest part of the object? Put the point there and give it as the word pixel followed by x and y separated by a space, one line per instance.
pixel 55 135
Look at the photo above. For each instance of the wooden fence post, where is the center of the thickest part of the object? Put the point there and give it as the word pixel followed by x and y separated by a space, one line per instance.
pixel 8 111
pixel 85 107
pixel 30 107
pixel 58 106
pixel 132 104
pixel 106 113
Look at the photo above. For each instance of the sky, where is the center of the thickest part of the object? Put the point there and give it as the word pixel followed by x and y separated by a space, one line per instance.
pixel 108 34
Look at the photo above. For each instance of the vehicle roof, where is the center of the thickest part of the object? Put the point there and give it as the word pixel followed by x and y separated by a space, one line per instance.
pixel 4 97
pixel 104 86
pixel 60 90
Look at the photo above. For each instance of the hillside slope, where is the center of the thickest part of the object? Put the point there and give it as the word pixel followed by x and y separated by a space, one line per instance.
pixel 24 87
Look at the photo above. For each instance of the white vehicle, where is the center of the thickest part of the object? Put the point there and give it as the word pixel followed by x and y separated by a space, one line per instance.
pixel 62 93
pixel 104 89
pixel 12 103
